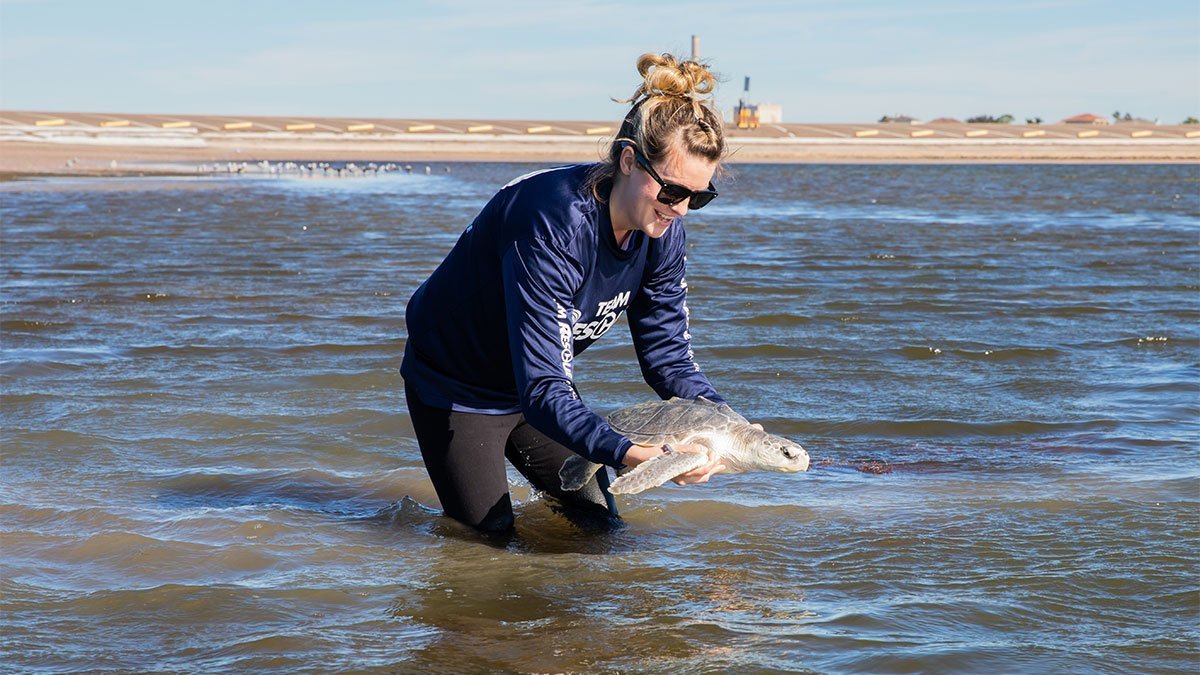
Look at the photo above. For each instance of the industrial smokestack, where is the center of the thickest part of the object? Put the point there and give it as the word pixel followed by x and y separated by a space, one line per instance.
pixel 695 47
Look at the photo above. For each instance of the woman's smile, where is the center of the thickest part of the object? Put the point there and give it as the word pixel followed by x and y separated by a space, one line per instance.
pixel 649 214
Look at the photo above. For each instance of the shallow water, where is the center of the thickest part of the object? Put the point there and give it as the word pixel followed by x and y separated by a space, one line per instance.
pixel 207 463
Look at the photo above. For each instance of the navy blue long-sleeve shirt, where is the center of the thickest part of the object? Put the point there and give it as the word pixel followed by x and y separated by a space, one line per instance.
pixel 534 281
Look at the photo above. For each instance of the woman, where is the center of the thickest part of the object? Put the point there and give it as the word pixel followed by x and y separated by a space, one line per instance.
pixel 544 270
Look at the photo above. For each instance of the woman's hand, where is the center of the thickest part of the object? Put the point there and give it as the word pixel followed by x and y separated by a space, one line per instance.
pixel 640 453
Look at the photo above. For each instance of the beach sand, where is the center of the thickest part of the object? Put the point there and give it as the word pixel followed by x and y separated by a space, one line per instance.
pixel 81 143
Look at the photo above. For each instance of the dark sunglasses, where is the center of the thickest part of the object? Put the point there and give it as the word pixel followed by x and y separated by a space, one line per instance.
pixel 670 193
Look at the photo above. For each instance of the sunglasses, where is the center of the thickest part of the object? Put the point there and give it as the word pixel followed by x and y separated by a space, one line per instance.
pixel 670 193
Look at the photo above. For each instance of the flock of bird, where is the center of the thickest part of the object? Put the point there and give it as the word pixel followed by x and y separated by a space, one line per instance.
pixel 333 169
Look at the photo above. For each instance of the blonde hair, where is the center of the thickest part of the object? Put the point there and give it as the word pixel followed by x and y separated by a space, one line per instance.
pixel 672 105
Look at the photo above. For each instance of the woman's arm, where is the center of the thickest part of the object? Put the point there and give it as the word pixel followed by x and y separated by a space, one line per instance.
pixel 539 278
pixel 658 321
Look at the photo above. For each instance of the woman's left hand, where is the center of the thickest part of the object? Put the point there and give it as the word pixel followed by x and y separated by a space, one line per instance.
pixel 702 473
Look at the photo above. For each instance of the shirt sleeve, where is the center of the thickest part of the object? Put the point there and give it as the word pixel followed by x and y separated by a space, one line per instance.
pixel 658 321
pixel 539 279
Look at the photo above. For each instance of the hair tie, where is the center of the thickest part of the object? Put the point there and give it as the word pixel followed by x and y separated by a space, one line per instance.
pixel 693 95
pixel 696 99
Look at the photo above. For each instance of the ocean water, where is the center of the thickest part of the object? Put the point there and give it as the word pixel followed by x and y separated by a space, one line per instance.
pixel 207 464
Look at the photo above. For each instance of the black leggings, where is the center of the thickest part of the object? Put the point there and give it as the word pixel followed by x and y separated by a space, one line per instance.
pixel 464 454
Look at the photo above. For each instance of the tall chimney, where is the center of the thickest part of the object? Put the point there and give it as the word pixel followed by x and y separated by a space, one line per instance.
pixel 695 47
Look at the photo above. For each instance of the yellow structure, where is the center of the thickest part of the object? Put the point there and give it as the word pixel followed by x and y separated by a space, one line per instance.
pixel 745 115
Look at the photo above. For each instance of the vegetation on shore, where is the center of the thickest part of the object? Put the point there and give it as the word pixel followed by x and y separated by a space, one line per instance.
pixel 988 119
pixel 1117 116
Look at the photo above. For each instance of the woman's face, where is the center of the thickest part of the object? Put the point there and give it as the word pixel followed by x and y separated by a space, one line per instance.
pixel 638 205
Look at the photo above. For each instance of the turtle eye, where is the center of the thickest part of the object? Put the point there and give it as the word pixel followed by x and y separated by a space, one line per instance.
pixel 787 453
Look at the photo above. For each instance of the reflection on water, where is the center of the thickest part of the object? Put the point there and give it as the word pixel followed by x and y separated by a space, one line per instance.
pixel 208 464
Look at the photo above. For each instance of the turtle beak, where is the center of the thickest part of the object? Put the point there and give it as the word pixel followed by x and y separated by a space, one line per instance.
pixel 797 459
pixel 802 465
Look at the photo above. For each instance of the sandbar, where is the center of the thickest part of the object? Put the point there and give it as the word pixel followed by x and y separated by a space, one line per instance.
pixel 122 144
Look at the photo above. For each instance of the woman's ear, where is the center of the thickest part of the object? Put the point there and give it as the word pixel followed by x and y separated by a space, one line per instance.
pixel 625 164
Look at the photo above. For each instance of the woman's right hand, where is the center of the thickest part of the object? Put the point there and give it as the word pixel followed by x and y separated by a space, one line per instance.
pixel 641 453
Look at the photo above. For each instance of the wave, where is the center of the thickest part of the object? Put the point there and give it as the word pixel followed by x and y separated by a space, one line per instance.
pixel 34 326
pixel 715 354
pixel 999 354
pixel 68 520
pixel 363 380
pixel 773 319
pixel 936 428
pixel 347 319
pixel 27 369
pixel 339 492
pixel 394 346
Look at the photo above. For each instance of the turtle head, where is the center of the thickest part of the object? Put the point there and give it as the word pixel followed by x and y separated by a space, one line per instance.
pixel 776 453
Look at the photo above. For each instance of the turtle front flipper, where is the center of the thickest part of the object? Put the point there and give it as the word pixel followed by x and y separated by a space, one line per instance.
pixel 576 472
pixel 656 471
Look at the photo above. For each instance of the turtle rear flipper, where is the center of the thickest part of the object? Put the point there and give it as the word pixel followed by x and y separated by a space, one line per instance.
pixel 656 471
pixel 576 472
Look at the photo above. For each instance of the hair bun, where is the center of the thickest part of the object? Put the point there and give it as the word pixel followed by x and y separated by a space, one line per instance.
pixel 665 75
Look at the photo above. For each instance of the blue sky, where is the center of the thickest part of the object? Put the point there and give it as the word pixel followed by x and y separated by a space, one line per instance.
pixel 823 60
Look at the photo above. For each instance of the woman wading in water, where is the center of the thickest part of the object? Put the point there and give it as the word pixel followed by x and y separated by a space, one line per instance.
pixel 545 269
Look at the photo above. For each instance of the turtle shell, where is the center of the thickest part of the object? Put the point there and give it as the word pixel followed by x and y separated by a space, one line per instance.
pixel 660 422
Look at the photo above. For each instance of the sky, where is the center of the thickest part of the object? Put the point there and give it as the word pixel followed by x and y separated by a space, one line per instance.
pixel 822 60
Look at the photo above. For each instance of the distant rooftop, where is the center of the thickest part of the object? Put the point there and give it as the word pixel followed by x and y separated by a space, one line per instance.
pixel 1086 118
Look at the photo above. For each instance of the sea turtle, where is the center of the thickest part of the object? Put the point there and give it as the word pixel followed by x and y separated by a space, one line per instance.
pixel 740 445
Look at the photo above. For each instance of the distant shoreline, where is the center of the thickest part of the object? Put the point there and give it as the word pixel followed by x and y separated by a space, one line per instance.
pixel 112 144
